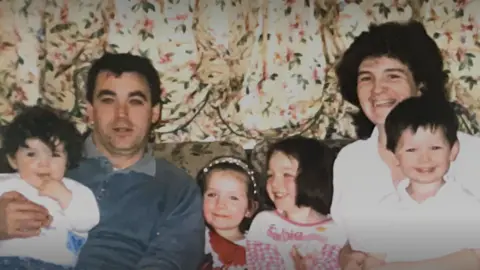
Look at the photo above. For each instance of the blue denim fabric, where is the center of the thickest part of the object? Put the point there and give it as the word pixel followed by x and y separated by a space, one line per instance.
pixel 146 222
pixel 19 263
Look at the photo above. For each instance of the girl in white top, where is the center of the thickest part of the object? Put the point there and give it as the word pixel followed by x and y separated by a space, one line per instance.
pixel 299 186
pixel 40 145
pixel 230 201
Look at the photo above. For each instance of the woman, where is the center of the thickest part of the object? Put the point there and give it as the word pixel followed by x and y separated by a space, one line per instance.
pixel 387 64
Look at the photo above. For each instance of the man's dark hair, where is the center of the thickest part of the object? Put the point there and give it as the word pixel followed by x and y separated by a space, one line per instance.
pixel 421 112
pixel 121 63
pixel 46 125
pixel 407 42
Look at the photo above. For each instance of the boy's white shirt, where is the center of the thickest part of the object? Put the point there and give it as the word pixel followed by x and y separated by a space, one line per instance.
pixel 405 230
pixel 361 179
pixel 79 217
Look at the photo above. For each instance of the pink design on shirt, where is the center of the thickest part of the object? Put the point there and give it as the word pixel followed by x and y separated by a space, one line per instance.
pixel 264 256
pixel 289 235
pixel 272 238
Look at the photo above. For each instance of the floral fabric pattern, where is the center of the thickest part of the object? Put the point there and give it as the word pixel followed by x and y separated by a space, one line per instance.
pixel 193 156
pixel 240 71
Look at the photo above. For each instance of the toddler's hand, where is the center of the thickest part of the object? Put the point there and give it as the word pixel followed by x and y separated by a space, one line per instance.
pixel 52 189
pixel 57 191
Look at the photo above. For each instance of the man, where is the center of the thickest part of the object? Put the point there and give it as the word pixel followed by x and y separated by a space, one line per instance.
pixel 150 211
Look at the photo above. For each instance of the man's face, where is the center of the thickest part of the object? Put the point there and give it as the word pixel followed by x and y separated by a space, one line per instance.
pixel 382 83
pixel 121 113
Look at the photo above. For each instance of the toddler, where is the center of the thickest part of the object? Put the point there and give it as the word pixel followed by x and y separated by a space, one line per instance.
pixel 299 187
pixel 428 214
pixel 230 201
pixel 40 146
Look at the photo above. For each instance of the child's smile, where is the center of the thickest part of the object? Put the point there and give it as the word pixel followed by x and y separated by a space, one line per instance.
pixel 424 155
pixel 221 215
pixel 425 170
pixel 281 187
pixel 225 202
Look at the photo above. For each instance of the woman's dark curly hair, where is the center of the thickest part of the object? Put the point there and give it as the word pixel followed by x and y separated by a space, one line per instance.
pixel 46 125
pixel 407 42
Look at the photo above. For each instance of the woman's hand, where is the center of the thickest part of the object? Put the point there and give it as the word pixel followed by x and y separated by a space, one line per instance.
pixel 464 259
pixel 372 262
pixel 355 261
pixel 350 259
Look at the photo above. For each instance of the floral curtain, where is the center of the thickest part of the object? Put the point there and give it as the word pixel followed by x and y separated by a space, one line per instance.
pixel 237 70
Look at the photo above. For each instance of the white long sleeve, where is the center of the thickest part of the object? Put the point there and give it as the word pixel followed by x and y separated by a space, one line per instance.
pixel 54 244
pixel 83 212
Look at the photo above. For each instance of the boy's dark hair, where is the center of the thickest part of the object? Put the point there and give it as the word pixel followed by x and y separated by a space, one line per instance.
pixel 314 178
pixel 48 126
pixel 407 42
pixel 121 63
pixel 421 112
pixel 227 163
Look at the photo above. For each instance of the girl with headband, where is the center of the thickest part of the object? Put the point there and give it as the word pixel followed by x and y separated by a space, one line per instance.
pixel 230 201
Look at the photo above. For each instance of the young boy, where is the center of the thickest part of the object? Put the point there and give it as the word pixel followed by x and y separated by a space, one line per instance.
pixel 428 214
pixel 40 146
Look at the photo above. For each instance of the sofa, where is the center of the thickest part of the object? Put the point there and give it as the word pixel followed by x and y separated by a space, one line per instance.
pixel 192 156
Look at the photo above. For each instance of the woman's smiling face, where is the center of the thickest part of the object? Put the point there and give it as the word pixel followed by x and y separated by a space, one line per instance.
pixel 382 83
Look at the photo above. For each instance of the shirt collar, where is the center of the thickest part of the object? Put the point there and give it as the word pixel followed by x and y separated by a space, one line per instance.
pixel 373 140
pixel 145 165
pixel 402 186
pixel 374 135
